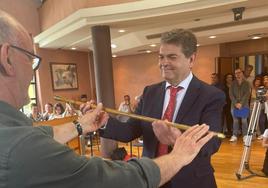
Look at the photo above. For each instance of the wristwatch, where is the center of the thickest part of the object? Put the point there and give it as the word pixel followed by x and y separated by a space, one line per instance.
pixel 78 127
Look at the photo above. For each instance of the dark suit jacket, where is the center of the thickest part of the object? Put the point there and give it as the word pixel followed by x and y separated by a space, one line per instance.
pixel 202 103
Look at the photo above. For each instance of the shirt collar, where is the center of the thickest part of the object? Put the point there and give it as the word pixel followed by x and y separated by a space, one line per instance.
pixel 184 84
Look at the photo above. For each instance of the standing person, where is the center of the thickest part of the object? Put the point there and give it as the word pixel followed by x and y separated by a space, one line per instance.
pixel 228 119
pixel 125 106
pixel 263 123
pixel 239 95
pixel 265 144
pixel 247 74
pixel 215 81
pixel 36 157
pixel 181 98
pixel 257 82
pixel 48 111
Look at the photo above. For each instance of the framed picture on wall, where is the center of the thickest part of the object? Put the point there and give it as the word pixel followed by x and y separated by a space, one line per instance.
pixel 64 76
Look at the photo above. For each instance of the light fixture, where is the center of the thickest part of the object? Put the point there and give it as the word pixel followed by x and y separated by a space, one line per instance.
pixel 148 51
pixel 121 30
pixel 256 37
pixel 197 45
pixel 113 45
pixel 212 37
pixel 153 45
pixel 114 55
pixel 73 48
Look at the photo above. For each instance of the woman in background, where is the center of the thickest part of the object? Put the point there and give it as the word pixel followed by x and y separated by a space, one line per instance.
pixel 227 116
pixel 58 111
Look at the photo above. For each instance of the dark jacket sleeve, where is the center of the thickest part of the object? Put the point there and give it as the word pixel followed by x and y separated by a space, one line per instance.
pixel 39 161
pixel 124 131
pixel 212 116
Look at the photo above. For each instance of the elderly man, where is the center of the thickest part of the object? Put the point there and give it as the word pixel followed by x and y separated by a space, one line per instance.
pixel 36 157
pixel 181 98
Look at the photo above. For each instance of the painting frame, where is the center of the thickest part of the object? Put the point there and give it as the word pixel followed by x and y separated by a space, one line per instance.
pixel 64 76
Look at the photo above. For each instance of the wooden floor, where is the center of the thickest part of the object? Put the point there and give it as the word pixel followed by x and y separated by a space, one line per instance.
pixel 226 163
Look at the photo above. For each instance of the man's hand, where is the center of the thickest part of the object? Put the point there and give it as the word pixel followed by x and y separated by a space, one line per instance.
pixel 165 134
pixel 92 120
pixel 188 145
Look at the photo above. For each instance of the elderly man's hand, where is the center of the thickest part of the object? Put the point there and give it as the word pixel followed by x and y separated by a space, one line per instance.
pixel 165 134
pixel 92 120
pixel 188 145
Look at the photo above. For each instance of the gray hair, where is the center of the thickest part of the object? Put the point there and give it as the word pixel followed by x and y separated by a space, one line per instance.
pixel 181 37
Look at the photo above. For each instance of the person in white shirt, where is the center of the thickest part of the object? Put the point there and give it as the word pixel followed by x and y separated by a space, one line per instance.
pixel 125 106
pixel 265 144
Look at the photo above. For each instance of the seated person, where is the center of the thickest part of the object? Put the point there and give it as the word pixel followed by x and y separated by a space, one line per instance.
pixel 48 111
pixel 70 111
pixel 35 114
pixel 58 112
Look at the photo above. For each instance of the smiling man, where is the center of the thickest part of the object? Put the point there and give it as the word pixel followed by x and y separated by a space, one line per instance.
pixel 181 98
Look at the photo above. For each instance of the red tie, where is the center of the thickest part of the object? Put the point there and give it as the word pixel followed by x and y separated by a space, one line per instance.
pixel 168 115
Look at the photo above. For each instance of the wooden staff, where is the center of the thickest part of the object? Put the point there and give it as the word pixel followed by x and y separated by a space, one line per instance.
pixel 135 116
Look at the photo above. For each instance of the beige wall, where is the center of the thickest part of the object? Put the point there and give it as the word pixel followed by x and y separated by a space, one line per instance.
pixel 132 73
pixel 46 92
pixel 53 11
pixel 205 62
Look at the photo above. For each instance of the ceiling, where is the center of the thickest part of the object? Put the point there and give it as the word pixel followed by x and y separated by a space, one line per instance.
pixel 145 20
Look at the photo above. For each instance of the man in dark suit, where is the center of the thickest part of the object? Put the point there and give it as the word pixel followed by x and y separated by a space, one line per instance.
pixel 181 98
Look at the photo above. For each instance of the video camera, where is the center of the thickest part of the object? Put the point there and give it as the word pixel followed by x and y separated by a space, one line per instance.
pixel 261 93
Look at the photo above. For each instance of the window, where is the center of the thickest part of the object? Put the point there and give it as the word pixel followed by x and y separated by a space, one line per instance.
pixel 32 92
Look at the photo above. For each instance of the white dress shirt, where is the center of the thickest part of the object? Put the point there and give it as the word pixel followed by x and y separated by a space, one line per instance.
pixel 179 97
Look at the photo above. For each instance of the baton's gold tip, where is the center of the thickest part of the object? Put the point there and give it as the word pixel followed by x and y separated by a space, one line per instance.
pixel 220 135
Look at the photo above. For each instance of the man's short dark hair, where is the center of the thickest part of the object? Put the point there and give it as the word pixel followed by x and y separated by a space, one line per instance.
pixel 49 104
pixel 181 37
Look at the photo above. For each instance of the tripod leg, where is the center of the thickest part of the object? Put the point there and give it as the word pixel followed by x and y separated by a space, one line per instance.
pixel 247 146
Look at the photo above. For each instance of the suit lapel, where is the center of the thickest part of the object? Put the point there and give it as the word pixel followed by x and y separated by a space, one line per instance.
pixel 159 104
pixel 189 99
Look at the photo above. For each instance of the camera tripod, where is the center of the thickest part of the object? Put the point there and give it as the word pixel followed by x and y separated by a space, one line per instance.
pixel 254 119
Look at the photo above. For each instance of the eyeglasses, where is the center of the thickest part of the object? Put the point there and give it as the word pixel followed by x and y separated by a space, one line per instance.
pixel 36 60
